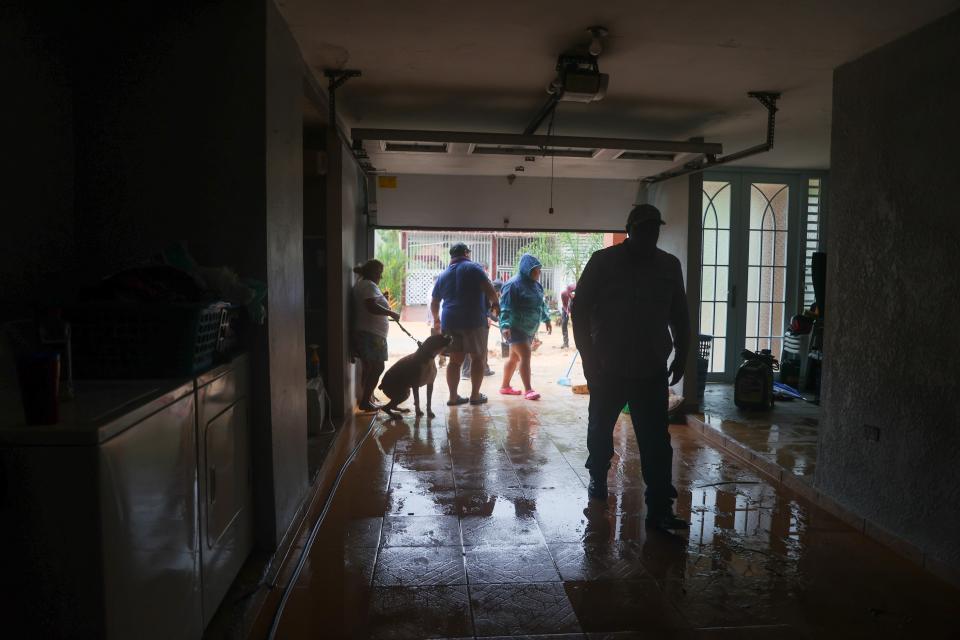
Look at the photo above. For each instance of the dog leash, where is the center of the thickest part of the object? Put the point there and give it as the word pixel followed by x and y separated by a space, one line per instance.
pixel 402 328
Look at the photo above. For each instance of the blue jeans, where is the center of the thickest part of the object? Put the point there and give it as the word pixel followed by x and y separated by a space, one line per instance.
pixel 648 412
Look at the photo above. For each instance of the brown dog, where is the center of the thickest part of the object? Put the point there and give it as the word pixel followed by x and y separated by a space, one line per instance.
pixel 412 372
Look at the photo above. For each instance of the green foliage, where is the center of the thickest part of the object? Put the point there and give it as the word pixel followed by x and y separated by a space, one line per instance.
pixel 387 250
pixel 544 248
pixel 564 252
pixel 577 248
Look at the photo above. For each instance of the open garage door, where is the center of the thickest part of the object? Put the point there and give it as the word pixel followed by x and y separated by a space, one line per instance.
pixel 416 201
pixel 425 214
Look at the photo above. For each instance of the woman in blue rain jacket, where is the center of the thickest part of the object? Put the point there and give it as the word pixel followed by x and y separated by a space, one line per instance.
pixel 522 309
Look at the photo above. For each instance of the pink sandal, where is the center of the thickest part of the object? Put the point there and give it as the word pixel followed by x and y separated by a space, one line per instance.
pixel 510 391
pixel 531 395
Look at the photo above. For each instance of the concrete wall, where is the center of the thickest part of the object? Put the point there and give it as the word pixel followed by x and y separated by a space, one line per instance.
pixel 354 205
pixel 892 284
pixel 482 202
pixel 346 230
pixel 284 243
pixel 170 135
pixel 37 163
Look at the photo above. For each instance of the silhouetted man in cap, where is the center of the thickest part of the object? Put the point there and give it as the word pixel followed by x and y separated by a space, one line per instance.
pixel 629 313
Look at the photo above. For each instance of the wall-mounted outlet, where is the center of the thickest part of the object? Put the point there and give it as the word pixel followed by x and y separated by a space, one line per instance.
pixel 870 432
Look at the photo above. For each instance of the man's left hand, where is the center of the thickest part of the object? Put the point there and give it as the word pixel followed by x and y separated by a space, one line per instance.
pixel 676 370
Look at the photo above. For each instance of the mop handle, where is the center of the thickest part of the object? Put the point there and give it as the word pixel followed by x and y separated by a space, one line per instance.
pixel 572 362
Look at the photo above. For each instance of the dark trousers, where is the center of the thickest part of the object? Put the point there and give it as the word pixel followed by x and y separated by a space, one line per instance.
pixel 647 399
pixel 564 322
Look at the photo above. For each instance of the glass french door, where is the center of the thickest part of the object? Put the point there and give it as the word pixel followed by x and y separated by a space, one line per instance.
pixel 748 264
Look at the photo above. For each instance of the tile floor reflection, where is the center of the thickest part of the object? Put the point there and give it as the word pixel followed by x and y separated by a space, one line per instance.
pixel 785 436
pixel 477 524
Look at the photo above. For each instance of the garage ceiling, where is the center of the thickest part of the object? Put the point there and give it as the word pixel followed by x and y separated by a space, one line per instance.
pixel 677 70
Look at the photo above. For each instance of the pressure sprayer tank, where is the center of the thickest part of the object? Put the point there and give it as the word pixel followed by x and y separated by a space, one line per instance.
pixel 753 387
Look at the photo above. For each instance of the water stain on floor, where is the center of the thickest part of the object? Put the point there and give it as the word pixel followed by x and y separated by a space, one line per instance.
pixel 477 524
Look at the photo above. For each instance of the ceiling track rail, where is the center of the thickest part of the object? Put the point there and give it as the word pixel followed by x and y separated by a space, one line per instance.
pixel 336 78
pixel 769 100
pixel 542 114
pixel 540 141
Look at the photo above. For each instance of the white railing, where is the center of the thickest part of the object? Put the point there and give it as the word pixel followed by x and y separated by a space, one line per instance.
pixel 428 254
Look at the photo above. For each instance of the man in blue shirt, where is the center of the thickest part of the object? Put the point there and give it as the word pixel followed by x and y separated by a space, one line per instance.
pixel 464 291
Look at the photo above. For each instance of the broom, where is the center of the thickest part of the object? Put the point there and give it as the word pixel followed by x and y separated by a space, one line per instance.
pixel 565 380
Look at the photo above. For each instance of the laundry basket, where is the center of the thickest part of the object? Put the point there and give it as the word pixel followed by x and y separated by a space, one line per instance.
pixel 122 340
pixel 703 363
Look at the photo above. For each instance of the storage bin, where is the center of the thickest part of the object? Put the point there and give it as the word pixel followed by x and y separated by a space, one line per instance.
pixel 703 363
pixel 120 340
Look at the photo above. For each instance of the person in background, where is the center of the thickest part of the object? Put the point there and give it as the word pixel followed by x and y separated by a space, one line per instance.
pixel 566 297
pixel 504 345
pixel 629 313
pixel 463 292
pixel 371 316
pixel 523 309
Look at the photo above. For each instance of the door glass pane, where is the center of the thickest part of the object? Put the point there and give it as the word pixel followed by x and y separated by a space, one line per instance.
pixel 710 256
pixel 753 284
pixel 721 317
pixel 722 276
pixel 707 318
pixel 766 285
pixel 718 193
pixel 723 246
pixel 780 284
pixel 714 258
pixel 707 282
pixel 753 318
pixel 718 354
pixel 767 262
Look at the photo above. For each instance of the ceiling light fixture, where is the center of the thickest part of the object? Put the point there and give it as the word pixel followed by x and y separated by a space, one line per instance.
pixel 577 79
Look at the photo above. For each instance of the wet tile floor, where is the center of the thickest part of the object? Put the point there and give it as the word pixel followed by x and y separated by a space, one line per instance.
pixel 477 524
pixel 786 435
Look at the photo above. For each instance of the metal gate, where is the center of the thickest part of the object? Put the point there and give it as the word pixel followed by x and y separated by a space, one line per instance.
pixel 511 246
pixel 428 254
